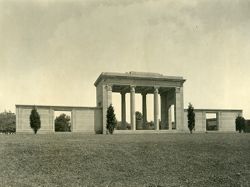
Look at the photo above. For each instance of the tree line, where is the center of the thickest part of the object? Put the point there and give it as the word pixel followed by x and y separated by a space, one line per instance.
pixel 7 122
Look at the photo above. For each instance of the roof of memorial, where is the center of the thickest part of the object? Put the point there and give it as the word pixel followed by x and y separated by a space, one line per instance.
pixel 138 75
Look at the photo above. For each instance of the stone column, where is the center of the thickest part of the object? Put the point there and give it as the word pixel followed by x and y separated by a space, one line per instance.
pixel 156 109
pixel 123 109
pixel 144 107
pixel 169 118
pixel 163 111
pixel 132 107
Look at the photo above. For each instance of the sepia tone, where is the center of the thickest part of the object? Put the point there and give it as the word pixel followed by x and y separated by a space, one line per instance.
pixel 148 61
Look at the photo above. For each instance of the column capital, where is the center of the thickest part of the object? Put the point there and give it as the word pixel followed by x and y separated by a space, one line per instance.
pixel 156 89
pixel 108 87
pixel 123 93
pixel 144 93
pixel 177 89
pixel 132 88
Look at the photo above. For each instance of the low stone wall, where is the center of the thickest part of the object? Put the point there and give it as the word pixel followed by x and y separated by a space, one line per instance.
pixel 225 119
pixel 87 120
pixel 23 119
pixel 83 119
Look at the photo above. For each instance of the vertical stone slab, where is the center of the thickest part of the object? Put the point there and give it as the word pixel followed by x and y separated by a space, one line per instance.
pixel 17 119
pixel 84 120
pixel 132 107
pixel 73 121
pixel 227 120
pixel 156 108
pixel 179 108
pixel 52 124
pixel 219 121
pixel 46 121
pixel 204 122
pixel 199 120
pixel 23 119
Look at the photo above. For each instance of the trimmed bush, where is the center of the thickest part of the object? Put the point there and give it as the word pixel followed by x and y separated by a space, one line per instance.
pixel 35 122
pixel 139 120
pixel 240 124
pixel 191 117
pixel 111 119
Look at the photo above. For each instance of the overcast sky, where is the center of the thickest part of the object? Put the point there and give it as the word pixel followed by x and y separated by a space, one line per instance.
pixel 51 52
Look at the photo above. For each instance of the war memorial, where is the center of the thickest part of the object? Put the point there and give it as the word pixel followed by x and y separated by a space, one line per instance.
pixel 168 108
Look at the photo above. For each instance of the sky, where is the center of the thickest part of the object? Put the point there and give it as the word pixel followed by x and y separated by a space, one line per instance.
pixel 51 51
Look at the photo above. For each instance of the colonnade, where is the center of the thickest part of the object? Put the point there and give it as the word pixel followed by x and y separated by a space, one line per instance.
pixel 169 96
pixel 165 104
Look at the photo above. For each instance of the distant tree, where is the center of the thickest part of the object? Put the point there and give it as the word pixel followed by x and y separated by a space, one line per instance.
pixel 62 123
pixel 35 122
pixel 240 124
pixel 138 115
pixel 7 122
pixel 191 117
pixel 139 120
pixel 111 119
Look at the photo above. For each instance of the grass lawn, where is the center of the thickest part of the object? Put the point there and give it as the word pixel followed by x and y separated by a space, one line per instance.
pixel 125 160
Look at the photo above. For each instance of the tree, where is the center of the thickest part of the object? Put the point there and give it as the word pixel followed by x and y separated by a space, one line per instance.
pixel 7 122
pixel 111 119
pixel 139 120
pixel 138 116
pixel 35 122
pixel 191 117
pixel 240 124
pixel 62 123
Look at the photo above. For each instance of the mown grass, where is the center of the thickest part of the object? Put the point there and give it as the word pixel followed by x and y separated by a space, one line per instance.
pixel 125 160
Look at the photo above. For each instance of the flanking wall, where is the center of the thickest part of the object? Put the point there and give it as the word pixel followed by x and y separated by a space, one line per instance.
pixel 23 119
pixel 90 119
pixel 83 119
pixel 225 119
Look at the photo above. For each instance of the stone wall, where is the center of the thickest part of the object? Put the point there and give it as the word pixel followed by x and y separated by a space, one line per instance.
pixel 23 121
pixel 200 121
pixel 90 119
pixel 87 120
pixel 225 119
pixel 83 119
